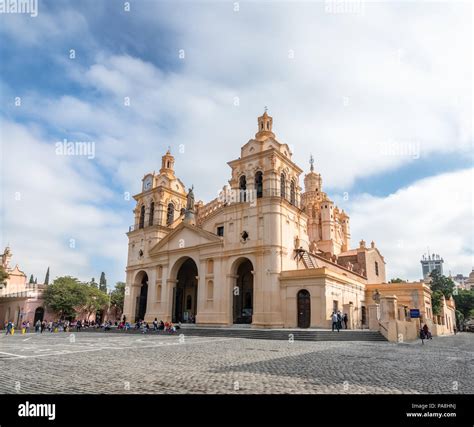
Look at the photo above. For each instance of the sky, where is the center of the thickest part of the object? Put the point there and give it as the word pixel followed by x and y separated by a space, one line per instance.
pixel 380 93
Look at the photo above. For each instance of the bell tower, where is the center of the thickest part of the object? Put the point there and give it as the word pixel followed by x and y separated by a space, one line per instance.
pixel 265 123
pixel 167 164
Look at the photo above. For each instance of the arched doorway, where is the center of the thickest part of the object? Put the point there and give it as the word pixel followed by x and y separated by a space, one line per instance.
pixel 185 293
pixel 140 309
pixel 39 314
pixel 243 293
pixel 304 309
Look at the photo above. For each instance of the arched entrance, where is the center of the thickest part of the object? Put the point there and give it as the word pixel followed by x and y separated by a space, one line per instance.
pixel 185 293
pixel 140 308
pixel 39 314
pixel 304 309
pixel 243 293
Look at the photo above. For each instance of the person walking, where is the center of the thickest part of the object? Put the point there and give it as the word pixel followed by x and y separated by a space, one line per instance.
pixel 9 328
pixel 339 321
pixel 155 324
pixel 345 319
pixel 335 323
pixel 38 326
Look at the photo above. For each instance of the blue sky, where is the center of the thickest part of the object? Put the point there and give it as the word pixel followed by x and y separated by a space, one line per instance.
pixel 381 95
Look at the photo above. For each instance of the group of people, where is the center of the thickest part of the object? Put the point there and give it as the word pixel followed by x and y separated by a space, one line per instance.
pixel 156 325
pixel 425 333
pixel 338 319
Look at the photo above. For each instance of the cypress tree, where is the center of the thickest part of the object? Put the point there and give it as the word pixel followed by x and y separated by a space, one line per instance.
pixel 46 279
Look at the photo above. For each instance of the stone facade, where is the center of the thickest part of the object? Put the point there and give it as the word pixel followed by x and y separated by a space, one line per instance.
pixel 265 252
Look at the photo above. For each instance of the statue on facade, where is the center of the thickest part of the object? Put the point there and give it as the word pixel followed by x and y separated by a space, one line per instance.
pixel 190 200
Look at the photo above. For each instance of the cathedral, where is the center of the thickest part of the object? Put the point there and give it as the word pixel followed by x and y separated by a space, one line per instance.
pixel 265 252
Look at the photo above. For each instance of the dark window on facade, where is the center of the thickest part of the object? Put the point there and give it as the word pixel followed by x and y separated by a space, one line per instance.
pixel 152 213
pixel 243 188
pixel 220 231
pixel 292 193
pixel 376 268
pixel 141 223
pixel 259 184
pixel 283 186
pixel 170 214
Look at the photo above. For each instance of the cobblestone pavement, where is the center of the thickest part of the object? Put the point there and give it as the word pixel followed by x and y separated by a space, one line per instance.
pixel 115 363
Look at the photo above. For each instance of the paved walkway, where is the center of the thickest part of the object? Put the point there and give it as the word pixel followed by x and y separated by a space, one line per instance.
pixel 113 363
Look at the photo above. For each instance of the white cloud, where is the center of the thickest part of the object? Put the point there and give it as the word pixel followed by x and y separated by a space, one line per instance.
pixel 405 71
pixel 436 212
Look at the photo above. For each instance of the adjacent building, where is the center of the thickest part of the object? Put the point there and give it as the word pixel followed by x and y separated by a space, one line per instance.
pixel 431 262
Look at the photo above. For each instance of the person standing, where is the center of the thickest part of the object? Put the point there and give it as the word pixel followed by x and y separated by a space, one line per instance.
pixel 155 324
pixel 339 321
pixel 345 319
pixel 335 324
pixel 38 326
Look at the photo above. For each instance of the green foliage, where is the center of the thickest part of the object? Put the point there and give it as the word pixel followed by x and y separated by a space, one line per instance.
pixel 3 275
pixel 117 296
pixel 65 295
pixel 95 300
pixel 32 280
pixel 103 282
pixel 93 284
pixel 397 280
pixel 46 279
pixel 436 302
pixel 465 302
pixel 441 283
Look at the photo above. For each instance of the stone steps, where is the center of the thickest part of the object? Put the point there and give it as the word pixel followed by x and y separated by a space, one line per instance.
pixel 268 334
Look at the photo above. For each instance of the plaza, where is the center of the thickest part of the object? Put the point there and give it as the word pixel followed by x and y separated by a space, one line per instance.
pixel 126 363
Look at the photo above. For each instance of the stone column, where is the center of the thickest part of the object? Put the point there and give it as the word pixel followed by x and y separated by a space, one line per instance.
pixel 231 281
pixel 373 314
pixel 349 310
pixel 388 308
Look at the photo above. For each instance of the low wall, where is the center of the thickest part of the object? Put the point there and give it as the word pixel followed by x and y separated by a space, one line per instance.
pixel 399 330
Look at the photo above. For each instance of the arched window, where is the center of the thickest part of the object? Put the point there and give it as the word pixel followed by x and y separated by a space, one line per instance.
pixel 170 214
pixel 168 164
pixel 283 186
pixel 152 213
pixel 259 184
pixel 292 192
pixel 141 222
pixel 243 188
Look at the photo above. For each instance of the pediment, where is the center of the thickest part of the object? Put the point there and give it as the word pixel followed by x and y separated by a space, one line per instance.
pixel 185 236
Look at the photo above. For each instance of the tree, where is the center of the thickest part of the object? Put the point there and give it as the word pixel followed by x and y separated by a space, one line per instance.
pixel 441 283
pixel 437 302
pixel 93 283
pixel 103 282
pixel 465 302
pixel 3 275
pixel 95 300
pixel 46 279
pixel 31 280
pixel 397 280
pixel 65 296
pixel 117 297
